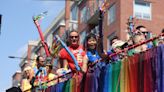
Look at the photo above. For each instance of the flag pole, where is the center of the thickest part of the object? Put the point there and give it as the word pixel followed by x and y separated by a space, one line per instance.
pixel 45 45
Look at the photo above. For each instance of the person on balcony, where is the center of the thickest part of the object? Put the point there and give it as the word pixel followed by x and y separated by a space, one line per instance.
pixel 148 35
pixel 94 64
pixel 50 75
pixel 139 38
pixel 28 75
pixel 40 73
pixel 80 55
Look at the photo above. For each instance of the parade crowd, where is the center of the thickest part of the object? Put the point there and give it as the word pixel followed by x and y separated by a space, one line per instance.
pixel 91 58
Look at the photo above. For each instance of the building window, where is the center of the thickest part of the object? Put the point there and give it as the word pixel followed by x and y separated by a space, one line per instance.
pixel 88 14
pixel 74 13
pixel 83 17
pixel 112 14
pixel 142 10
pixel 73 25
pixel 82 37
pixel 95 30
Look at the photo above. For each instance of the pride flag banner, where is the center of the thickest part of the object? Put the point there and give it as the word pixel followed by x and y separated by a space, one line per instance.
pixel 143 72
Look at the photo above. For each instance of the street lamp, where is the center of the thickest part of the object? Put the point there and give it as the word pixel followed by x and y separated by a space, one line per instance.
pixel 14 57
pixel 22 63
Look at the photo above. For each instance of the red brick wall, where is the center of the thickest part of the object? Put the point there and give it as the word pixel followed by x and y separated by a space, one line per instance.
pixel 155 25
pixel 67 13
pixel 29 53
pixel 82 26
pixel 113 27
pixel 126 10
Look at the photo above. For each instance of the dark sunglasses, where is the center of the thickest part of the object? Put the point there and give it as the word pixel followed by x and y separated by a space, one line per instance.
pixel 145 32
pixel 74 37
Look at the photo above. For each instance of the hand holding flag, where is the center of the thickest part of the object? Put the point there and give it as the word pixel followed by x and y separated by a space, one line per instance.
pixel 36 19
pixel 104 6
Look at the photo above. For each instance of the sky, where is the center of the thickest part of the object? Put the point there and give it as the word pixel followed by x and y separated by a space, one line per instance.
pixel 18 28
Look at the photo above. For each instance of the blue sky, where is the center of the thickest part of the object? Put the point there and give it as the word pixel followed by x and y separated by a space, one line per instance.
pixel 18 28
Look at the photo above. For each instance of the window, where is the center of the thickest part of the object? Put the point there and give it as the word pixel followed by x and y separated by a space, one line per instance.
pixel 142 10
pixel 82 37
pixel 95 30
pixel 112 14
pixel 73 25
pixel 74 13
pixel 88 14
pixel 83 17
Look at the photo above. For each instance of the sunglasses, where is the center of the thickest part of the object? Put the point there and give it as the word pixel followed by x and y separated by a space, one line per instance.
pixel 145 32
pixel 74 37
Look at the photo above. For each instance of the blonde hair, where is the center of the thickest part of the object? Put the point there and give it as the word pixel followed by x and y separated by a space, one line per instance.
pixel 27 68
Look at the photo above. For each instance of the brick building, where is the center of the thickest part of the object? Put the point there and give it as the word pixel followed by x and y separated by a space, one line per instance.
pixel 117 14
pixel 83 15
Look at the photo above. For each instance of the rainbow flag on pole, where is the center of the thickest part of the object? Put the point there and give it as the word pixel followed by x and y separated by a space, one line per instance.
pixel 40 16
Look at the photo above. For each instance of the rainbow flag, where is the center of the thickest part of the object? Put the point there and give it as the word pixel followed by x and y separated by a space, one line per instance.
pixel 143 72
pixel 40 16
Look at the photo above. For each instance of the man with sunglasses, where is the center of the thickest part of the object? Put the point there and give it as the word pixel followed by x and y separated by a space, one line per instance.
pixel 142 29
pixel 77 51
pixel 80 55
pixel 148 35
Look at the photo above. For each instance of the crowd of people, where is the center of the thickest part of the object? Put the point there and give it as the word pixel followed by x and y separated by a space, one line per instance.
pixel 90 59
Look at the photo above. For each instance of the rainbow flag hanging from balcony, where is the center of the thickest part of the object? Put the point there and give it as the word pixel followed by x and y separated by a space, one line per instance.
pixel 139 73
